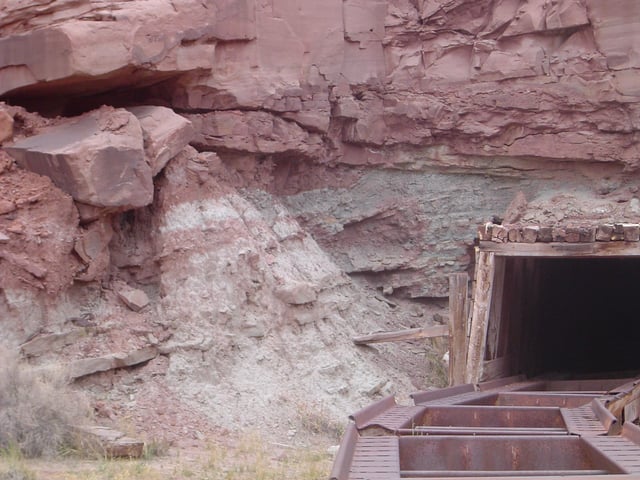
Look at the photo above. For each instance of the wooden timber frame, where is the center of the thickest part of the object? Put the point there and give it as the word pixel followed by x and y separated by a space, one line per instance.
pixel 458 327
pixel 479 322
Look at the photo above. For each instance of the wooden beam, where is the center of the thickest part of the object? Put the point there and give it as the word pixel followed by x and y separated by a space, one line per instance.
pixel 400 335
pixel 618 404
pixel 458 321
pixel 497 368
pixel 558 249
pixel 495 312
pixel 485 270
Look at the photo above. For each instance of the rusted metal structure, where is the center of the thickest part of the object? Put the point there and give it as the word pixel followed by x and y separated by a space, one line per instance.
pixel 544 352
pixel 495 429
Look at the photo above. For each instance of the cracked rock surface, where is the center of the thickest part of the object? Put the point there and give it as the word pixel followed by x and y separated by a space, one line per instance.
pixel 274 177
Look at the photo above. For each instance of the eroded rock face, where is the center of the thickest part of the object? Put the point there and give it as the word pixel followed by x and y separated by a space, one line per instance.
pixel 257 133
pixel 38 223
pixel 266 289
pixel 56 48
pixel 346 136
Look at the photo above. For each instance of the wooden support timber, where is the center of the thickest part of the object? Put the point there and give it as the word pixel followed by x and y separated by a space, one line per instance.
pixel 625 405
pixel 400 335
pixel 495 312
pixel 485 270
pixel 583 250
pixel 496 368
pixel 458 323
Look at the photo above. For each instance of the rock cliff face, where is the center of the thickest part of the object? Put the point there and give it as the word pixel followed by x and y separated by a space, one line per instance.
pixel 265 171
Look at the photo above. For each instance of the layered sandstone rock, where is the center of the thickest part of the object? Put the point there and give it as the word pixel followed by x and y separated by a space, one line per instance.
pixel 257 133
pixel 367 138
pixel 60 47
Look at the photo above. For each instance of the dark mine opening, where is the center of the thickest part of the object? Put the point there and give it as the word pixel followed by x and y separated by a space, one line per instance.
pixel 575 316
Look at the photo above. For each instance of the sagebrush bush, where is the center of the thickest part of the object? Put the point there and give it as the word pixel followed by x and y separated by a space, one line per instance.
pixel 38 410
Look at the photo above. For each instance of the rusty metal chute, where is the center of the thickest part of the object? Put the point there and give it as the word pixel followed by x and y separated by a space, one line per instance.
pixel 534 428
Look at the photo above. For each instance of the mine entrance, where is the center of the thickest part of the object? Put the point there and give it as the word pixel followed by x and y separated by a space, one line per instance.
pixel 568 315
pixel 551 313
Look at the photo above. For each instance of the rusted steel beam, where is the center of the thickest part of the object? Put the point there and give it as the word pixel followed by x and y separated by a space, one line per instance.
pixel 574 475
pixel 514 381
pixel 409 474
pixel 608 419
pixel 631 432
pixel 442 430
pixel 431 395
pixel 344 457
pixel 365 415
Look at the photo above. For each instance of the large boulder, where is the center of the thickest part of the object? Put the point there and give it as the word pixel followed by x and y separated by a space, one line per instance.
pixel 98 159
pixel 165 134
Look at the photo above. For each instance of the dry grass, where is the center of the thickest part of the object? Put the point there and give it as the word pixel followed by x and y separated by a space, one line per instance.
pixel 436 370
pixel 13 466
pixel 38 411
pixel 250 458
pixel 37 408
pixel 253 459
pixel 314 419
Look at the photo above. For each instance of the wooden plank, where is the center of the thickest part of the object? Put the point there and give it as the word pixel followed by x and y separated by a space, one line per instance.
pixel 400 335
pixel 495 312
pixel 594 249
pixel 620 401
pixel 458 317
pixel 497 368
pixel 485 269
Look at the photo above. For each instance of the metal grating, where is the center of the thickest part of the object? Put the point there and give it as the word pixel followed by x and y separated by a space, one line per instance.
pixel 395 418
pixel 619 450
pixel 376 458
pixel 582 421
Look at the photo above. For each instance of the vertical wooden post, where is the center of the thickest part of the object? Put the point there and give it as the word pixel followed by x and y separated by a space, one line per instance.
pixel 485 270
pixel 458 315
pixel 495 313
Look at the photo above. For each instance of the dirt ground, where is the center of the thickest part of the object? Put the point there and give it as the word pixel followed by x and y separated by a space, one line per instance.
pixel 238 457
